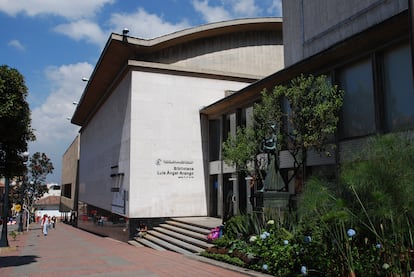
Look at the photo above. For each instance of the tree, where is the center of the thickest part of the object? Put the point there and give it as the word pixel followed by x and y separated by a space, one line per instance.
pixel 15 121
pixel 40 166
pixel 298 117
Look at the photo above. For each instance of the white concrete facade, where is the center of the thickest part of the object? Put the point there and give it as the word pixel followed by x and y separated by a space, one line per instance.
pixel 147 135
pixel 144 152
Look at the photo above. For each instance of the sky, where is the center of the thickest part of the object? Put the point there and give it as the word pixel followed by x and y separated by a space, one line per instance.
pixel 54 44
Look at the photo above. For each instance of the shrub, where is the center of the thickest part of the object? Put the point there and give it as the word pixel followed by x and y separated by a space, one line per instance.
pixel 362 224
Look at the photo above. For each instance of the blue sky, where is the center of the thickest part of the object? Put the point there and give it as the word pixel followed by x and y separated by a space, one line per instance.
pixel 54 44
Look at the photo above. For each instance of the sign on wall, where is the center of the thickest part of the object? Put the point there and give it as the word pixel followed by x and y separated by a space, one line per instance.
pixel 178 169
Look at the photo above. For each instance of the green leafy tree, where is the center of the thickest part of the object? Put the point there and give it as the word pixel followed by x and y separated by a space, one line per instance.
pixel 311 117
pixel 40 166
pixel 297 117
pixel 15 121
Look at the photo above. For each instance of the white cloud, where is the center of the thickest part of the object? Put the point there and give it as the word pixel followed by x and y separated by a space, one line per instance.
pixel 138 23
pixel 53 131
pixel 83 30
pixel 228 9
pixel 16 44
pixel 276 8
pixel 209 13
pixel 67 9
pixel 245 8
pixel 144 25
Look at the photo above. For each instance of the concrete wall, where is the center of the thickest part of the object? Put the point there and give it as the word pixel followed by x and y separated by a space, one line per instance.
pixel 167 171
pixel 244 52
pixel 70 173
pixel 105 144
pixel 146 141
pixel 312 26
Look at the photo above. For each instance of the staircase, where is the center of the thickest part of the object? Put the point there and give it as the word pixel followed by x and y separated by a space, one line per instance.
pixel 182 235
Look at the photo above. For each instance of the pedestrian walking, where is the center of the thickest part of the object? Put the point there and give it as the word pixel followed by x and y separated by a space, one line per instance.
pixel 53 222
pixel 45 224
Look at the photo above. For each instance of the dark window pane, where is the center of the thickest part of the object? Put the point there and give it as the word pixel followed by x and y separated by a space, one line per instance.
pixel 214 140
pixel 358 112
pixel 67 190
pixel 398 89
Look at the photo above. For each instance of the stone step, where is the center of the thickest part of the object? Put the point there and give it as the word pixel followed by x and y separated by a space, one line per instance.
pixel 184 237
pixel 176 242
pixel 134 242
pixel 190 227
pixel 165 244
pixel 181 235
pixel 144 242
pixel 202 222
pixel 186 232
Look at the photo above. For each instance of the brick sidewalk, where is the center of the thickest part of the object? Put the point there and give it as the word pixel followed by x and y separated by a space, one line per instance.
pixel 68 251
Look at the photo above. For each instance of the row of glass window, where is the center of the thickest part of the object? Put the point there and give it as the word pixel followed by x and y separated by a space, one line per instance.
pixel 385 107
pixel 379 97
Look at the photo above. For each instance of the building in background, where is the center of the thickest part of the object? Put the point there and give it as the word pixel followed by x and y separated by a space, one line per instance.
pixel 69 202
pixel 49 202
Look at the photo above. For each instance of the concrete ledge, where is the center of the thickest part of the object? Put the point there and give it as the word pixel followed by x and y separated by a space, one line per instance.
pixel 7 249
pixel 235 268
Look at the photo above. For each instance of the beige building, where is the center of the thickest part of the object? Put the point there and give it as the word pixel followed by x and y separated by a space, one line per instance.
pixel 170 102
pixel 142 144
pixel 69 200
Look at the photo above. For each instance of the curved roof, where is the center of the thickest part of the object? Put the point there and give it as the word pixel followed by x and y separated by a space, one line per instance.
pixel 208 30
pixel 119 49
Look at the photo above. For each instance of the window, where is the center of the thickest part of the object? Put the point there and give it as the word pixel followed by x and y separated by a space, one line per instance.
pixel 229 125
pixel 67 190
pixel 358 110
pixel 398 89
pixel 214 140
pixel 246 117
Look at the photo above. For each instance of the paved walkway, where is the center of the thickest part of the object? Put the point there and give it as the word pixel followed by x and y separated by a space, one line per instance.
pixel 69 251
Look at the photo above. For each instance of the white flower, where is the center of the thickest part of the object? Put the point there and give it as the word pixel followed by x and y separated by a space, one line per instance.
pixel 264 235
pixel 253 238
pixel 285 242
pixel 351 233
pixel 265 267
pixel 304 270
pixel 271 222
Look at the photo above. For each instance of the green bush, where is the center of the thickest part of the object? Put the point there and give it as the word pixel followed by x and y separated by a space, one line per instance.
pixel 224 258
pixel 364 223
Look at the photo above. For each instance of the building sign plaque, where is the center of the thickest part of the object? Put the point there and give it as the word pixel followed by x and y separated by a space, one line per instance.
pixel 180 169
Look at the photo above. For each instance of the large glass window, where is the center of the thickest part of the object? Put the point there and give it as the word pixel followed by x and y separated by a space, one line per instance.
pixel 398 89
pixel 214 140
pixel 246 117
pixel 229 125
pixel 358 110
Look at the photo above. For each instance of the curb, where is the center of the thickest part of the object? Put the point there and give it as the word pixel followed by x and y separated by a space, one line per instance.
pixel 231 267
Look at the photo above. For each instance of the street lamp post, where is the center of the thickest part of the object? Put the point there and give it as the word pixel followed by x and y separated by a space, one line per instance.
pixel 22 191
pixel 3 240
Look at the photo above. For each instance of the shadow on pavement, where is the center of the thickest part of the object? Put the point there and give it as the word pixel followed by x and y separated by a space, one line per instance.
pixel 17 260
